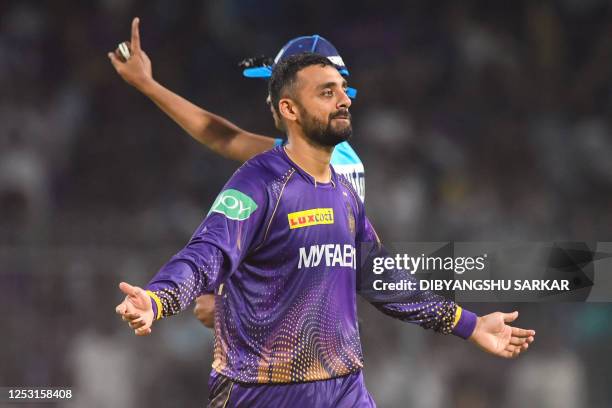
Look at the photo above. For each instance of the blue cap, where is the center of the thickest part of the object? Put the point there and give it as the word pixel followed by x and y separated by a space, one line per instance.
pixel 311 43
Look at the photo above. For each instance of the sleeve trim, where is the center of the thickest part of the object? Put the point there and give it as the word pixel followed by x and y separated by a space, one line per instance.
pixel 158 303
pixel 457 316
pixel 465 325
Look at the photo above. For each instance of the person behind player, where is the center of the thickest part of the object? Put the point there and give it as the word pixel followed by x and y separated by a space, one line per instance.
pixel 224 137
pixel 281 248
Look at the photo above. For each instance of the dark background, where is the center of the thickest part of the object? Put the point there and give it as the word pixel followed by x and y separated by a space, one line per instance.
pixel 476 120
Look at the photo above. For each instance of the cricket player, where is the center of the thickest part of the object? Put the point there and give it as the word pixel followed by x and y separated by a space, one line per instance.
pixel 281 247
pixel 221 135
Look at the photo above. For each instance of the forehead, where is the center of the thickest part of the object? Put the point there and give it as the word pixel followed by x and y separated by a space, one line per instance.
pixel 316 75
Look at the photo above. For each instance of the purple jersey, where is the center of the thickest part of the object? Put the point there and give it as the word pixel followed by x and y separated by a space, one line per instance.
pixel 280 252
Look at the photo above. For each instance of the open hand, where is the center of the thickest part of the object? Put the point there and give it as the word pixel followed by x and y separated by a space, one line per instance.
pixel 494 336
pixel 136 309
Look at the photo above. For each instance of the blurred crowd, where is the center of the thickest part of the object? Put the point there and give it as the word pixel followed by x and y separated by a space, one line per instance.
pixel 476 120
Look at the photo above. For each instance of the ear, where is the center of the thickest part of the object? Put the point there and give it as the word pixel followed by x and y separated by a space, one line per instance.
pixel 288 109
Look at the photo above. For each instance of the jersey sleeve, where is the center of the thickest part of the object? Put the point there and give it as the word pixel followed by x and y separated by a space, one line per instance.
pixel 425 308
pixel 216 248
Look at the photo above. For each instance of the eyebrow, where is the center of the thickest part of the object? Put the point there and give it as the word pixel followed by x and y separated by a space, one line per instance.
pixel 331 84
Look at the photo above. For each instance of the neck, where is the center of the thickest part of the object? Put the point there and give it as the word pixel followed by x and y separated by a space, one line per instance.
pixel 313 159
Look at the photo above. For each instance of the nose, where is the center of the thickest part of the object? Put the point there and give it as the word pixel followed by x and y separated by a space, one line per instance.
pixel 344 101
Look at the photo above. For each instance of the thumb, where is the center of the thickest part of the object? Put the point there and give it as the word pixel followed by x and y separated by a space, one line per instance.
pixel 510 317
pixel 128 289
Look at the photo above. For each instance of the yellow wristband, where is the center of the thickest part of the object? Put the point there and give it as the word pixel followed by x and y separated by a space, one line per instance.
pixel 457 316
pixel 157 303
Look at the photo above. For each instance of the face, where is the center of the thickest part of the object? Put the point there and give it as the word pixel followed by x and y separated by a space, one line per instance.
pixel 320 105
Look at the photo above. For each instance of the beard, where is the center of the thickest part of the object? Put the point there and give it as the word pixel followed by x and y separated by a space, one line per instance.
pixel 330 134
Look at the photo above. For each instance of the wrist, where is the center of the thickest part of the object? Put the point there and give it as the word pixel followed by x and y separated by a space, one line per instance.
pixel 147 86
pixel 156 305
pixel 476 328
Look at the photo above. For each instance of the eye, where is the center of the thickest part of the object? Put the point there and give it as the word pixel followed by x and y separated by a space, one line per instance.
pixel 327 92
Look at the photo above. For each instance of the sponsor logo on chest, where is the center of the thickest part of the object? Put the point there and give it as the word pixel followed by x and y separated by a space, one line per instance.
pixel 308 218
pixel 328 255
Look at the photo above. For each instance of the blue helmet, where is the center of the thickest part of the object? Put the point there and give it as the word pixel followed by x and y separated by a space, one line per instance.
pixel 262 67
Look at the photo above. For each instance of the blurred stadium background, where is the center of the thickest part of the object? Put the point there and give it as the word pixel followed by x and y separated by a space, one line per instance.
pixel 476 120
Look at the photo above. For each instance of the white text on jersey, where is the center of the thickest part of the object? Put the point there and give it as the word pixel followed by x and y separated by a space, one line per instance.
pixel 332 254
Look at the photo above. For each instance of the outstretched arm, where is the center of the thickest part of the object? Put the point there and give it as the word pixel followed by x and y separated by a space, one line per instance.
pixel 431 311
pixel 218 134
pixel 195 268
pixel 212 254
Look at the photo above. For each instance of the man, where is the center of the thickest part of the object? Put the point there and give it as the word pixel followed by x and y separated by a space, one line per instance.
pixel 279 248
pixel 224 137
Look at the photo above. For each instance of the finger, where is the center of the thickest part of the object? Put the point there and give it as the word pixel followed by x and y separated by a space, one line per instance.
pixel 126 288
pixel 137 324
pixel 143 331
pixel 506 354
pixel 518 332
pixel 530 339
pixel 510 317
pixel 131 291
pixel 132 316
pixel 121 308
pixel 136 34
pixel 138 292
pixel 114 60
pixel 510 348
pixel 524 346
pixel 517 341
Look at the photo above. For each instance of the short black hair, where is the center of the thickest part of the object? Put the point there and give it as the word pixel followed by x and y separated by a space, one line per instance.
pixel 285 73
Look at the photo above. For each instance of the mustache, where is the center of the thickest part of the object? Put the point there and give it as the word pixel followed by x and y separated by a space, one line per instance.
pixel 342 113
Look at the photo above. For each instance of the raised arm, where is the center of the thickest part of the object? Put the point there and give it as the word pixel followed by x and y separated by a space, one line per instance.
pixel 218 134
